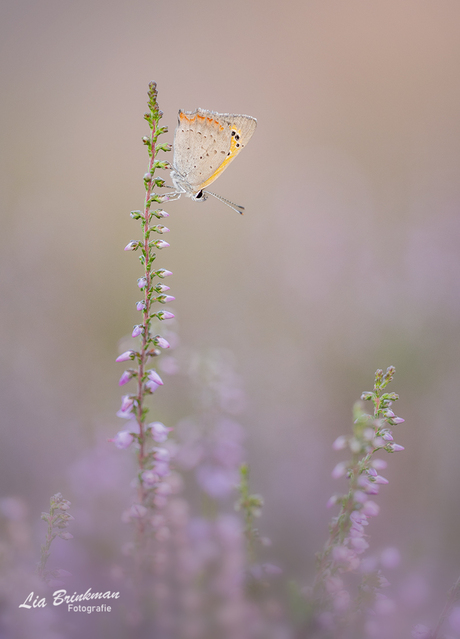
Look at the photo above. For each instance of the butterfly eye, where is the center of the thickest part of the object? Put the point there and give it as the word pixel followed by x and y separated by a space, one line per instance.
pixel 199 195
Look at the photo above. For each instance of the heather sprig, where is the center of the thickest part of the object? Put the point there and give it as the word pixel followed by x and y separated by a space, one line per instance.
pixel 153 460
pixel 347 539
pixel 58 520
pixel 251 507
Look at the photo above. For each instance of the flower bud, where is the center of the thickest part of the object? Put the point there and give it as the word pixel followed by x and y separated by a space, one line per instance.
pixel 159 213
pixel 159 228
pixel 132 246
pixel 164 299
pixel 126 356
pixel 159 432
pixel 160 244
pixel 127 402
pixel 340 443
pixel 161 342
pixel 122 440
pixel 162 272
pixel 395 448
pixel 142 282
pixel 165 315
pixel 140 306
pixel 339 470
pixel 154 377
pixel 137 330
pixel 125 378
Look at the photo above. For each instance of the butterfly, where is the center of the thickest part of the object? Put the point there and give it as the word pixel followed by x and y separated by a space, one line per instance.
pixel 205 143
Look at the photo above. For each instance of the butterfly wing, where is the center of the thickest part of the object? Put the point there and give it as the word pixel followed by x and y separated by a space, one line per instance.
pixel 206 142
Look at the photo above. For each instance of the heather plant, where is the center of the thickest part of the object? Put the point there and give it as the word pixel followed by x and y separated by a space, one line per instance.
pixel 58 520
pixel 147 438
pixel 347 593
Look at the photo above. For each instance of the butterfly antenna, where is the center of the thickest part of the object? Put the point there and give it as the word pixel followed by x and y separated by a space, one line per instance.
pixel 235 207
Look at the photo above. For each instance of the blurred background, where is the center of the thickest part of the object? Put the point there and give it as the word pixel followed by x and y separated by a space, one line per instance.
pixel 346 260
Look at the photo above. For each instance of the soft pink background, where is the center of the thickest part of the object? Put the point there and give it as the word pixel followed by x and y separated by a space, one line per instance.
pixel 346 260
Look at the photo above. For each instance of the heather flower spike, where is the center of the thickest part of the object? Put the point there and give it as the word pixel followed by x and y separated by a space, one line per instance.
pixel 153 463
pixel 348 537
pixel 57 519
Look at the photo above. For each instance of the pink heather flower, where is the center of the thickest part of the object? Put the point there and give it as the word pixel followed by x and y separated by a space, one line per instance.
pixel 159 432
pixel 370 508
pixel 387 436
pixel 161 244
pixel 137 511
pixel 359 544
pixel 340 443
pixel 360 496
pixel 140 306
pixel 372 472
pixel 161 342
pixel 381 480
pixel 396 448
pixel 142 282
pixel 127 403
pixel 331 501
pixel 162 288
pixel 162 272
pixel 66 535
pixel 168 298
pixel 421 632
pixel 389 413
pixel 154 377
pixel 137 330
pixel 398 420
pixel 161 229
pixel 379 464
pixel 390 557
pixel 162 454
pixel 124 379
pixel 149 478
pixel 152 386
pixel 132 246
pixel 161 468
pixel 339 470
pixel 164 315
pixel 357 530
pixel 126 356
pixel 341 553
pixel 122 440
pixel 358 517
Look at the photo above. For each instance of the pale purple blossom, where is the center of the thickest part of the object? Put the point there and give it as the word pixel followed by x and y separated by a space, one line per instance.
pixel 396 448
pixel 132 246
pixel 370 508
pixel 140 306
pixel 122 440
pixel 165 315
pixel 126 356
pixel 154 377
pixel 162 272
pixel 340 443
pixel 159 432
pixel 137 330
pixel 125 378
pixel 339 470
pixel 142 282
pixel 161 342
